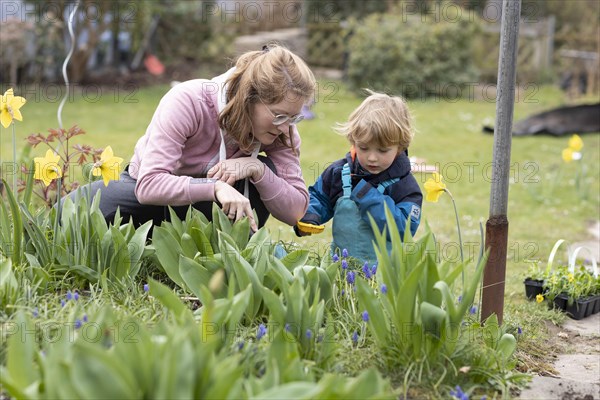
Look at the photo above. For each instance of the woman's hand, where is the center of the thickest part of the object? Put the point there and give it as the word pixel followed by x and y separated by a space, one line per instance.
pixel 233 170
pixel 235 205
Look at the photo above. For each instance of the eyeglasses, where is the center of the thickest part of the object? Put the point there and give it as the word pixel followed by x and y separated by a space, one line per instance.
pixel 281 119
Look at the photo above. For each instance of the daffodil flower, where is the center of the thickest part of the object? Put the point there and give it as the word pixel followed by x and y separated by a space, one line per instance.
pixel 108 166
pixel 572 153
pixel 47 168
pixel 434 187
pixel 9 108
pixel 569 155
pixel 575 143
pixel 539 298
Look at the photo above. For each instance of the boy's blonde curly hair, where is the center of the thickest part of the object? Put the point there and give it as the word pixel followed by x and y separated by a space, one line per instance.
pixel 381 118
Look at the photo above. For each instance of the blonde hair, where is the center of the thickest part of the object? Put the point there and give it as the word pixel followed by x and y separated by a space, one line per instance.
pixel 381 118
pixel 270 75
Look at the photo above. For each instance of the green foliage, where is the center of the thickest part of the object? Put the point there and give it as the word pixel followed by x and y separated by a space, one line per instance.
pixel 410 56
pixel 413 309
pixel 83 244
pixel 200 33
pixel 9 288
pixel 179 359
pixel 11 241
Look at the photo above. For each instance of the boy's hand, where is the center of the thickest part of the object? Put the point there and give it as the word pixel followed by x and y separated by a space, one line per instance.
pixel 307 229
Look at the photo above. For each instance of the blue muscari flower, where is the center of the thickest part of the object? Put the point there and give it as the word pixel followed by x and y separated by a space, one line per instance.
pixel 309 334
pixel 344 264
pixel 383 289
pixel 75 296
pixel 355 337
pixel 458 394
pixel 69 295
pixel 519 330
pixel 473 310
pixel 366 270
pixel 374 269
pixel 240 346
pixel 287 327
pixel 78 323
pixel 335 258
pixel 365 316
pixel 262 331
pixel 344 253
pixel 459 298
pixel 62 302
pixel 350 277
pixel 85 318
pixel 343 292
pixel 35 312
pixel 146 287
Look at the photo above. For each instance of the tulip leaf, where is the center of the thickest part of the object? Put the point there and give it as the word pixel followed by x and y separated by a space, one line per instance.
pixel 168 251
pixel 202 242
pixel 378 322
pixel 168 299
pixel 193 274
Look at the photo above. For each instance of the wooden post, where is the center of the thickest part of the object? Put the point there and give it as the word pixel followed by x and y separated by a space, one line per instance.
pixel 496 237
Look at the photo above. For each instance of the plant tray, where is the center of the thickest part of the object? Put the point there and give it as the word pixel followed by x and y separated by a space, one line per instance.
pixel 533 287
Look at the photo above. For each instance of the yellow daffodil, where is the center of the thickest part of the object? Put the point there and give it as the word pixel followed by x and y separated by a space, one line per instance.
pixel 567 154
pixel 47 168
pixel 575 143
pixel 434 187
pixel 9 108
pixel 539 298
pixel 109 166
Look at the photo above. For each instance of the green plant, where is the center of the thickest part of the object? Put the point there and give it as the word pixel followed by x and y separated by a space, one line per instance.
pixel 58 140
pixel 83 243
pixel 534 271
pixel 429 57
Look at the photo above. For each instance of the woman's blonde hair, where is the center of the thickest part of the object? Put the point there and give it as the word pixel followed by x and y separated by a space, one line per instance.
pixel 270 76
pixel 381 118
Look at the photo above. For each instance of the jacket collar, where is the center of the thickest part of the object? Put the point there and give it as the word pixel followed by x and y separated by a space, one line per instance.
pixel 399 169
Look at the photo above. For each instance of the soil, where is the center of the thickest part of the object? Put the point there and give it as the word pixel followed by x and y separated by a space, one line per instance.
pixel 576 364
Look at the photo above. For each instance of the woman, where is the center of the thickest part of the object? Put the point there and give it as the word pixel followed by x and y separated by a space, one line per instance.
pixel 203 142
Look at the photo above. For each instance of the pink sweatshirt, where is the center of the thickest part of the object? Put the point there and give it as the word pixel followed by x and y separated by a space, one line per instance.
pixel 182 142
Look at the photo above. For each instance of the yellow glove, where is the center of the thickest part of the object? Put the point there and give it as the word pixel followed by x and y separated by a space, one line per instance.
pixel 305 229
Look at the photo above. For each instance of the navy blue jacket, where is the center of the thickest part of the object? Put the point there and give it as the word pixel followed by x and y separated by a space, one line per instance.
pixel 404 197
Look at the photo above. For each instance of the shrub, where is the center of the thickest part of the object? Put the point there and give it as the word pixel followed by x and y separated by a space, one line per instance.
pixel 411 56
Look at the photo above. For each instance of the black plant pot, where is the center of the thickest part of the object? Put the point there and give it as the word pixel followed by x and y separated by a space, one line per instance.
pixel 578 309
pixel 596 309
pixel 560 302
pixel 533 287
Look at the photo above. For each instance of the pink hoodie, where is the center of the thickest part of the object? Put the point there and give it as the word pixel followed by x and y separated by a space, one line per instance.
pixel 182 142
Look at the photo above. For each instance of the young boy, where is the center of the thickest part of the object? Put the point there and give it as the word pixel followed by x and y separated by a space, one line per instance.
pixel 375 172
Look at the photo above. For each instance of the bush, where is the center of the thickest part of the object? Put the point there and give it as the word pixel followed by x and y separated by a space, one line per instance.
pixel 415 58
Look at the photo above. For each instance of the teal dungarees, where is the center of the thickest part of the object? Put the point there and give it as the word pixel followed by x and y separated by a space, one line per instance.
pixel 350 231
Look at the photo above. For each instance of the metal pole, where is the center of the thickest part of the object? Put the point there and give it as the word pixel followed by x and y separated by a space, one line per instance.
pixel 496 236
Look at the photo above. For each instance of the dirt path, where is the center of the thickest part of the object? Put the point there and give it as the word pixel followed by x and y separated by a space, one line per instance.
pixel 578 365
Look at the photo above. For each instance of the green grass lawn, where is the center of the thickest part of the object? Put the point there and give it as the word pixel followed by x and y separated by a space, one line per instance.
pixel 541 207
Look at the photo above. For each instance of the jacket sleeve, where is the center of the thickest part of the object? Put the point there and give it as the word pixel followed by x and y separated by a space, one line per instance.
pixel 319 206
pixel 323 196
pixel 178 116
pixel 284 193
pixel 371 202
